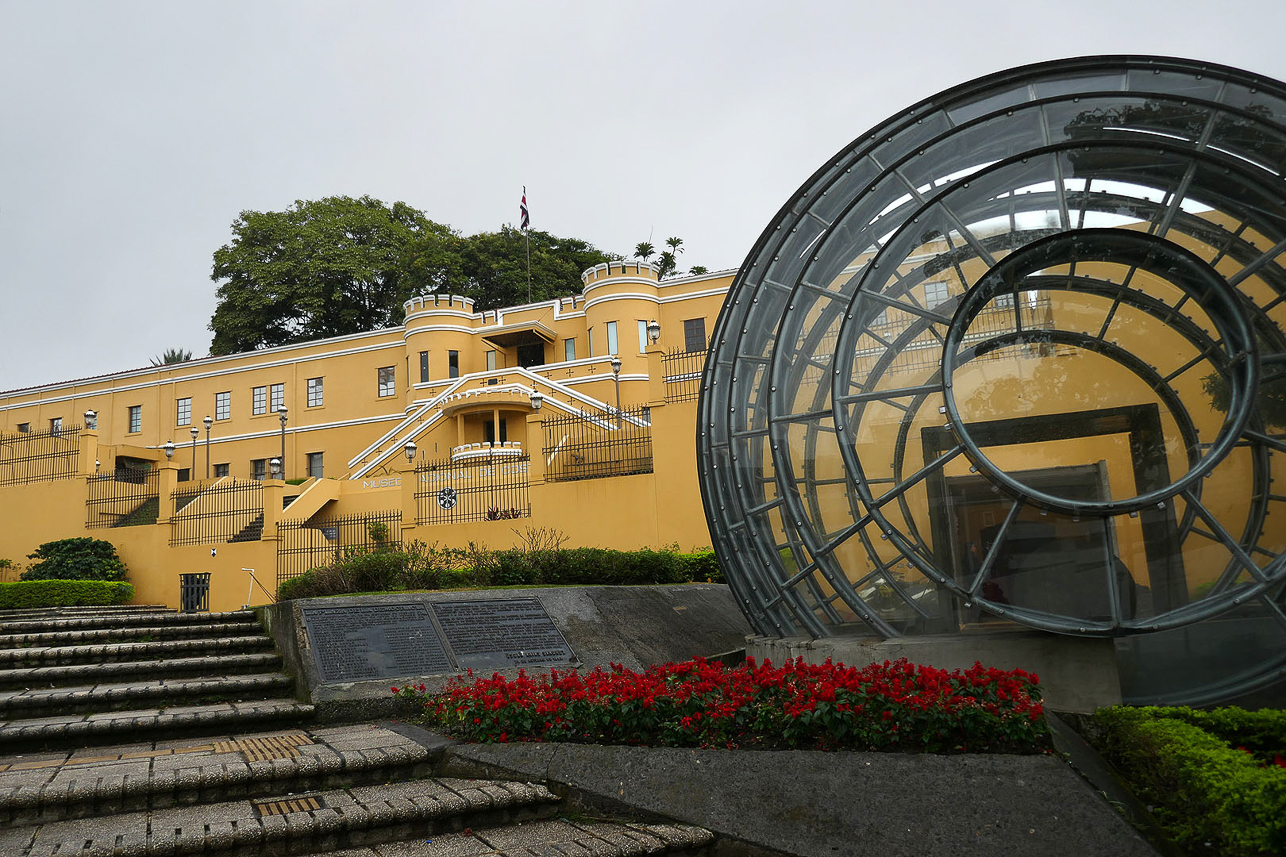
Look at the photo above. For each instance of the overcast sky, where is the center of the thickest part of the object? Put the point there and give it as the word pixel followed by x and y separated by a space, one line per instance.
pixel 132 134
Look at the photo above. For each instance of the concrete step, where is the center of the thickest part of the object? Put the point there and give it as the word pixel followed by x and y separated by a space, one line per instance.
pixel 56 612
pixel 120 634
pixel 37 656
pixel 214 665
pixel 36 702
pixel 553 837
pixel 86 730
pixel 43 787
pixel 119 620
pixel 313 822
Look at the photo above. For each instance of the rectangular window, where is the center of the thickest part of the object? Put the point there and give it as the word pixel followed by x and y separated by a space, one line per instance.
pixel 611 338
pixel 315 465
pixel 183 412
pixel 453 364
pixel 491 361
pixel 276 397
pixel 135 418
pixel 259 469
pixel 424 367
pixel 222 406
pixel 569 349
pixel 1005 301
pixel 259 400
pixel 25 428
pixel 56 425
pixel 387 381
pixel 314 392
pixel 935 293
pixel 694 334
pixel 220 470
pixel 642 336
pixel 590 334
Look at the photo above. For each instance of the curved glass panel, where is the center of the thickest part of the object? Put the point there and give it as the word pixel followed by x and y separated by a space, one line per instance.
pixel 1016 356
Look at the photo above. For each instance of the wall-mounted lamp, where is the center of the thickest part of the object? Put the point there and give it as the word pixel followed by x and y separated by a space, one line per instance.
pixel 409 450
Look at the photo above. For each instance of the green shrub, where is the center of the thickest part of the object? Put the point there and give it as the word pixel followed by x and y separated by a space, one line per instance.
pixel 587 567
pixel 703 566
pixel 382 569
pixel 76 559
pixel 1209 795
pixel 63 593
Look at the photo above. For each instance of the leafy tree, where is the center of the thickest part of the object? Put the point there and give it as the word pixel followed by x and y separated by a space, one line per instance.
pixel 699 269
pixel 320 268
pixel 172 355
pixel 665 264
pixel 491 267
pixel 76 559
pixel 339 265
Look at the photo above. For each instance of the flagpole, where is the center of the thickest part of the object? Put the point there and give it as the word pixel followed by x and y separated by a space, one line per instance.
pixel 526 234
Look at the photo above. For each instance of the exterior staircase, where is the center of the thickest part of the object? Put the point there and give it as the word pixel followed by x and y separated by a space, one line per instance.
pixel 84 677
pixel 142 731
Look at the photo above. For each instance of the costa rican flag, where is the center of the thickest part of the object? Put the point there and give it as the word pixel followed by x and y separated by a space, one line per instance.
pixel 526 218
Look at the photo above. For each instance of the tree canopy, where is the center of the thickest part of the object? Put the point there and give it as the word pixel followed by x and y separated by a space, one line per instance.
pixel 340 265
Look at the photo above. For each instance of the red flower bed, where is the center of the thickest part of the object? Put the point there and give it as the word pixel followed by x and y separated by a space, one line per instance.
pixel 895 706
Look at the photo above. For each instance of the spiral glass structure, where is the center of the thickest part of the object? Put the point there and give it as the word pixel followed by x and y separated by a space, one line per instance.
pixel 1016 356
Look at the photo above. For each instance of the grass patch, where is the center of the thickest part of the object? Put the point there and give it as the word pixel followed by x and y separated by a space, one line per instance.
pixel 895 706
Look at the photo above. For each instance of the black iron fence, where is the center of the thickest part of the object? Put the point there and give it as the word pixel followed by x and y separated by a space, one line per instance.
pixel 593 446
pixel 230 510
pixel 682 373
pixel 309 543
pixel 38 456
pixel 487 488
pixel 125 497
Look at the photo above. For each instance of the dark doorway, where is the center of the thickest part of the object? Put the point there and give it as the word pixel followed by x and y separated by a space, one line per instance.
pixel 531 354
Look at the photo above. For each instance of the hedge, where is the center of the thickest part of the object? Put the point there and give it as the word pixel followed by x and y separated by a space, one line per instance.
pixel 420 566
pixel 63 593
pixel 1211 793
pixel 76 559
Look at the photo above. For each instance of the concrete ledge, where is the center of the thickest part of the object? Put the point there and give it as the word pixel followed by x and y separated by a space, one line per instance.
pixel 1077 674
pixel 631 625
pixel 817 804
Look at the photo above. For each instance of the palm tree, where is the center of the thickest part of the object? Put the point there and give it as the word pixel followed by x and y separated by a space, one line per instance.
pixel 643 250
pixel 699 269
pixel 665 265
pixel 675 245
pixel 172 355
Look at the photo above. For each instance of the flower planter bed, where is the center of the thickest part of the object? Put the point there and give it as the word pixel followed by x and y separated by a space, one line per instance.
pixel 894 706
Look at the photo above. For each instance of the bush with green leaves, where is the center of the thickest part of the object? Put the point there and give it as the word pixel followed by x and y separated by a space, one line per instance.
pixel 1216 779
pixel 703 566
pixel 63 593
pixel 384 568
pixel 76 559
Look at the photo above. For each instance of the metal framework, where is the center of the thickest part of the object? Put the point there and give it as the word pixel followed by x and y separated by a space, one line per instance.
pixel 308 543
pixel 124 497
pixel 230 510
pixel 598 445
pixel 38 456
pixel 1016 354
pixel 488 488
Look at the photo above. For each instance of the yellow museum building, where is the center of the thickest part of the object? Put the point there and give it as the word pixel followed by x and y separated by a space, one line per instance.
pixel 576 414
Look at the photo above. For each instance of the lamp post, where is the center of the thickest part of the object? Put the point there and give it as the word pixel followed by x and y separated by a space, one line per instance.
pixel 653 331
pixel 616 376
pixel 169 450
pixel 195 431
pixel 409 451
pixel 91 420
pixel 283 413
pixel 274 467
pixel 209 421
pixel 537 399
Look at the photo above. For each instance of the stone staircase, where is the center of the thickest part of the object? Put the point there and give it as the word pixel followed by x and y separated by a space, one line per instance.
pixel 223 762
pixel 84 677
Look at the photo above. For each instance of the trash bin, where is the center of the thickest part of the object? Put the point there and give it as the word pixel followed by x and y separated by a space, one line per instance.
pixel 194 592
